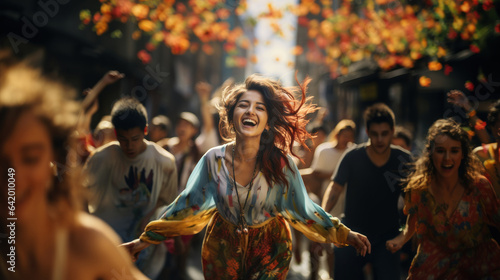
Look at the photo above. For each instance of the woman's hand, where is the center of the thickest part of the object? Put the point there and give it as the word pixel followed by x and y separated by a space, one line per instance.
pixel 395 244
pixel 134 247
pixel 359 242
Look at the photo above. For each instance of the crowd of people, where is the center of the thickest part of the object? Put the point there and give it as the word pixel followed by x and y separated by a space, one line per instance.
pixel 126 199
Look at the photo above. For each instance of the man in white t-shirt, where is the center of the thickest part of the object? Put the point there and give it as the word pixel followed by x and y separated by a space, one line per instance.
pixel 129 180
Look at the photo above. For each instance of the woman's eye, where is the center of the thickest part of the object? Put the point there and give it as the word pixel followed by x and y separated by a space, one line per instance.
pixel 31 160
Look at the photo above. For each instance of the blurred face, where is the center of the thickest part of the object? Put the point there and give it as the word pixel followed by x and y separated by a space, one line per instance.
pixel 380 135
pixel 156 133
pixel 185 130
pixel 131 141
pixel 447 156
pixel 29 151
pixel 104 137
pixel 345 137
pixel 400 142
pixel 250 114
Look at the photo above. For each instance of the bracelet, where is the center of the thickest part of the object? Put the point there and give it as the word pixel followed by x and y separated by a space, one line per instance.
pixel 472 113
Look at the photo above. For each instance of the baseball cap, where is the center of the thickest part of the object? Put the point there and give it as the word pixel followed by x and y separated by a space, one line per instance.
pixel 191 118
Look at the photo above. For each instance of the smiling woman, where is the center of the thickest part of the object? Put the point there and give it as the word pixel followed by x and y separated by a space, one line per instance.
pixel 449 204
pixel 53 238
pixel 249 191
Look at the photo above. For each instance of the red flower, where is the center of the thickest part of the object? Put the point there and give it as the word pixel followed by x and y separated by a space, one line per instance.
pixel 150 47
pixel 452 34
pixel 497 28
pixel 474 48
pixel 469 85
pixel 303 21
pixel 97 17
pixel 447 69
pixel 144 56
pixel 480 125
pixel 487 5
pixel 116 12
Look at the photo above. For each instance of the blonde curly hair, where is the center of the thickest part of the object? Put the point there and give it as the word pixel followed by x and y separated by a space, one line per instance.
pixel 24 89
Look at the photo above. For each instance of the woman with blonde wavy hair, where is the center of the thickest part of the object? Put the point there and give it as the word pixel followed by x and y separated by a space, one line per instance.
pixel 249 190
pixel 449 205
pixel 52 237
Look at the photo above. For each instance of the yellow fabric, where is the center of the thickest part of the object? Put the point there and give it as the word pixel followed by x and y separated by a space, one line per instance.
pixel 169 228
pixel 318 233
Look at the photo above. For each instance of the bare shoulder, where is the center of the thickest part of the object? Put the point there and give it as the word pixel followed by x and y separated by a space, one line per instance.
pixel 483 181
pixel 95 252
pixel 91 228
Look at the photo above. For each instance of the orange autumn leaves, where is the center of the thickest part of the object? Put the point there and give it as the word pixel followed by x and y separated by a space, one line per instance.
pixel 182 26
pixel 393 33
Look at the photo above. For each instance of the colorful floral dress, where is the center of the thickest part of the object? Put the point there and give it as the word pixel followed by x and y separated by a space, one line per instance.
pixel 265 253
pixel 459 247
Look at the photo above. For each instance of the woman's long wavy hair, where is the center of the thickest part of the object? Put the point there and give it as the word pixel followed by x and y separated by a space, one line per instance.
pixel 286 120
pixel 425 171
pixel 24 89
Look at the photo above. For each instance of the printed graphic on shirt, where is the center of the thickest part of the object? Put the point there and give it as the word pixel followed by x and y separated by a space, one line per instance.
pixel 138 188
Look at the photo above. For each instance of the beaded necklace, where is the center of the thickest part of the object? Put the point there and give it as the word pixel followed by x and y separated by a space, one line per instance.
pixel 242 222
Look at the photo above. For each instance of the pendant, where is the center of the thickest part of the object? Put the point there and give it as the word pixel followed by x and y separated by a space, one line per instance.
pixel 242 229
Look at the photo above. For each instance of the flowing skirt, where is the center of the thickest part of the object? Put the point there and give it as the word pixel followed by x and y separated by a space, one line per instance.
pixel 264 253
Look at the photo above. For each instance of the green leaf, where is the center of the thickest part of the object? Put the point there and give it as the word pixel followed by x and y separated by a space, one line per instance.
pixel 116 34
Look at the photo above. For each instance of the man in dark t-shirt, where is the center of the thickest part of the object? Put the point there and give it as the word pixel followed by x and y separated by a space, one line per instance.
pixel 371 173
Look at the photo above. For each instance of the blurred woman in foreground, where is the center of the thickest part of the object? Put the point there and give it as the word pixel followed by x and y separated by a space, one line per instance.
pixel 53 237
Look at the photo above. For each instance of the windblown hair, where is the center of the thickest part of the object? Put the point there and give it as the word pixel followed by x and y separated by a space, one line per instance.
pixel 24 89
pixel 425 171
pixel 286 119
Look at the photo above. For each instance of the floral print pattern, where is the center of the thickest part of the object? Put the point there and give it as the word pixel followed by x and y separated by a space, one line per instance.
pixel 210 198
pixel 458 247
